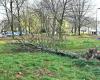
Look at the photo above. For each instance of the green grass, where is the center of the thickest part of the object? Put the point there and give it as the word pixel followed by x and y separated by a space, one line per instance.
pixel 44 66
pixel 76 43
pixel 79 43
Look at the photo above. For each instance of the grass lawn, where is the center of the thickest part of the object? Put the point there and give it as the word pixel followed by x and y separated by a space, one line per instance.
pixel 79 44
pixel 16 65
pixel 75 42
pixel 72 43
pixel 44 66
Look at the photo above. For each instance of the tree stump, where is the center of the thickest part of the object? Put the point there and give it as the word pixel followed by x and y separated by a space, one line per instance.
pixel 91 53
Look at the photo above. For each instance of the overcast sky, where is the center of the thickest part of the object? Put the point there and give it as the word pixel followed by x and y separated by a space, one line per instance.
pixel 95 2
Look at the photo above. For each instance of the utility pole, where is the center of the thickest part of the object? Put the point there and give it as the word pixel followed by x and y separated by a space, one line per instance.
pixel 97 21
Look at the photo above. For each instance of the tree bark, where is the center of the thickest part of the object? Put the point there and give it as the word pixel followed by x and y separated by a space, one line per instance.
pixel 11 23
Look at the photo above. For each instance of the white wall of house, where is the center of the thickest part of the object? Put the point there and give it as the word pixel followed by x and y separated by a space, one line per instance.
pixel 98 29
pixel 90 30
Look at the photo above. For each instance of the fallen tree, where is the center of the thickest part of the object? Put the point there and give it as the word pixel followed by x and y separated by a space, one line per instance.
pixel 92 53
pixel 31 48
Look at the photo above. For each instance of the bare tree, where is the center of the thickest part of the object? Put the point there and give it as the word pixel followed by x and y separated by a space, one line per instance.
pixel 57 10
pixel 9 12
pixel 19 4
pixel 78 13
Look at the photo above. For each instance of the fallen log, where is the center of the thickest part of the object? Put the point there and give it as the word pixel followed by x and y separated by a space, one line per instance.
pixel 57 52
pixel 30 47
pixel 91 54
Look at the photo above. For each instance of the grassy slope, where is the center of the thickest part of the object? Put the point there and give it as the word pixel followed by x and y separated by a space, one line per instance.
pixel 78 44
pixel 72 43
pixel 43 66
pixel 75 42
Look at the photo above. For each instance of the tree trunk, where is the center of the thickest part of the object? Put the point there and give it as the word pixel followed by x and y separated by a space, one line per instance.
pixel 11 23
pixel 75 30
pixel 72 30
pixel 18 13
pixel 60 32
pixel 20 29
pixel 79 30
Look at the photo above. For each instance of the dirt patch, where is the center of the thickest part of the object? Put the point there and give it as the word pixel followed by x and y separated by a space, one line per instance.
pixel 43 72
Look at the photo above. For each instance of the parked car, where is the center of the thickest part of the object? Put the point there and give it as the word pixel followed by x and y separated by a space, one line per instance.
pixel 9 33
pixel 16 33
pixel 2 36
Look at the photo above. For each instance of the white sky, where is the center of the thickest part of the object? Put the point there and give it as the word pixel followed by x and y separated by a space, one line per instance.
pixel 94 2
pixel 97 2
pixel 1 13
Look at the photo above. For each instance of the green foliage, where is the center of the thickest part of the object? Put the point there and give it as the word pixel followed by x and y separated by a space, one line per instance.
pixel 93 62
pixel 45 66
pixel 96 71
pixel 77 44
pixel 80 63
pixel 48 78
